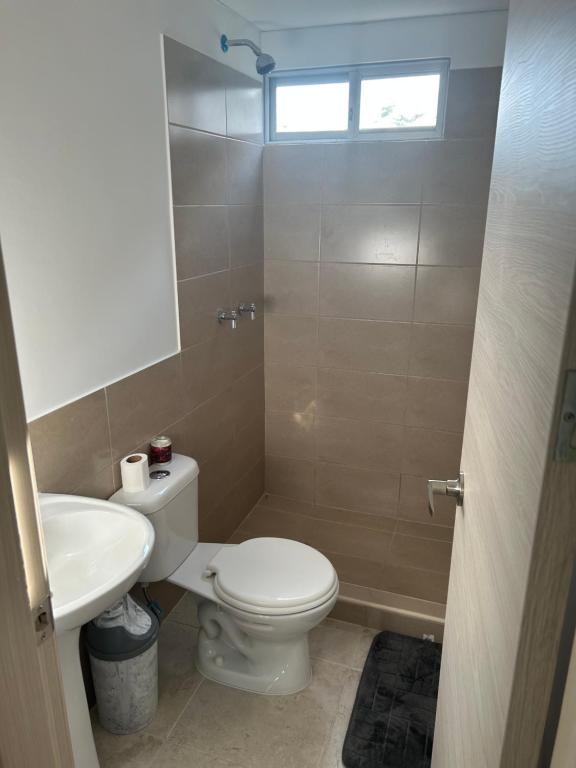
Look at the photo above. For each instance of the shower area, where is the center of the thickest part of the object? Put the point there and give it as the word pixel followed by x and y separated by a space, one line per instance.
pixel 363 261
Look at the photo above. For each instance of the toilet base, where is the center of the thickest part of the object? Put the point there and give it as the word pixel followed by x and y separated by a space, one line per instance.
pixel 228 656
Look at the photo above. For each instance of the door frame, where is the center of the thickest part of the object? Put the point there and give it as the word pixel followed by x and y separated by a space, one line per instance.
pixel 33 723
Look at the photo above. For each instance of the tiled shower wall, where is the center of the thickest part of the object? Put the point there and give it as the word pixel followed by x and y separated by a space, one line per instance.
pixel 210 397
pixel 372 262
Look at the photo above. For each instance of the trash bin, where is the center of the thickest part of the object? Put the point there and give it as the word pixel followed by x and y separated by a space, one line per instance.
pixel 123 647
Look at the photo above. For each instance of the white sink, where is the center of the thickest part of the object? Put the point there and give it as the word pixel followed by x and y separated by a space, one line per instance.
pixel 95 551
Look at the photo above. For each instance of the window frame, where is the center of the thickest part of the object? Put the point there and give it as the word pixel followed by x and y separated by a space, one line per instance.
pixel 355 74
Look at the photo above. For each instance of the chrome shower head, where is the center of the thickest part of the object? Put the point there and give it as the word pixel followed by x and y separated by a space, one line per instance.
pixel 264 62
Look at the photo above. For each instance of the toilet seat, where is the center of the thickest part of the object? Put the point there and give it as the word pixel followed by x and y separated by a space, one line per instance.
pixel 272 576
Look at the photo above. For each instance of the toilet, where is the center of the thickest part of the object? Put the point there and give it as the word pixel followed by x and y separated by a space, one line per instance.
pixel 258 599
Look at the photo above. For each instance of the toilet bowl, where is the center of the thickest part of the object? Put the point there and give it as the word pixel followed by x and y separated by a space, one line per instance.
pixel 258 600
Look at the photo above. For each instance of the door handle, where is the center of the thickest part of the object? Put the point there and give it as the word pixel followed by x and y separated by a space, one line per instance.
pixel 454 488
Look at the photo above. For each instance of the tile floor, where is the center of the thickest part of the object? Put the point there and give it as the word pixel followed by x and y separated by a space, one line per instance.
pixel 204 725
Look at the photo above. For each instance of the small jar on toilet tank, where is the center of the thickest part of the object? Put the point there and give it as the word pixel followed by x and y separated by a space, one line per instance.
pixel 160 450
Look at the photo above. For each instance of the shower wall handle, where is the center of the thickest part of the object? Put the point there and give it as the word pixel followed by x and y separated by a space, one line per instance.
pixel 453 488
pixel 247 309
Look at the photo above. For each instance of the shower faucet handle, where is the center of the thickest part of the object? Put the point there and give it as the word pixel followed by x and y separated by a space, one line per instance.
pixel 231 316
pixel 245 308
pixel 453 488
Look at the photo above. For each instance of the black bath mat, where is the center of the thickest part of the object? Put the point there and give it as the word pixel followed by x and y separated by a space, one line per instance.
pixel 392 723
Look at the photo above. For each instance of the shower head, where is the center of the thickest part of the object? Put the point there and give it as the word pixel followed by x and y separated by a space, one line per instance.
pixel 264 62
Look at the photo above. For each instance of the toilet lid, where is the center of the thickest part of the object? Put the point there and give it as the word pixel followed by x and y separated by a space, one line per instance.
pixel 269 575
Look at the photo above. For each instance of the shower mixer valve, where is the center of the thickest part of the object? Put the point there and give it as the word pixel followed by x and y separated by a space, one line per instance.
pixel 247 308
pixel 230 316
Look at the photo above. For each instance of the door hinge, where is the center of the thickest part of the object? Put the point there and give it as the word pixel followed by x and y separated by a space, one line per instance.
pixel 43 619
pixel 566 436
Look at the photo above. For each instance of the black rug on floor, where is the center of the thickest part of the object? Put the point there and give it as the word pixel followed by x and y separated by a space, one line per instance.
pixel 392 723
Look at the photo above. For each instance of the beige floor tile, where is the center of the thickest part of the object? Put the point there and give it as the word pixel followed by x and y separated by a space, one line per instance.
pixel 186 611
pixel 332 755
pixel 136 750
pixel 179 754
pixel 253 731
pixel 362 647
pixel 178 677
pixel 337 641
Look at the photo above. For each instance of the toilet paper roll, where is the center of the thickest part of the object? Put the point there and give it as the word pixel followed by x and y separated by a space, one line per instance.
pixel 134 471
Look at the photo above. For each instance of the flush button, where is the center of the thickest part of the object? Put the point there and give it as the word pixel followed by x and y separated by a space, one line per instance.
pixel 159 474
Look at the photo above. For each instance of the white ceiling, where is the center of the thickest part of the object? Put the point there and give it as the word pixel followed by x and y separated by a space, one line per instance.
pixel 286 14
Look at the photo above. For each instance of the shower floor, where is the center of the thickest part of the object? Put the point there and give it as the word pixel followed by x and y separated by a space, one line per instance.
pixel 207 725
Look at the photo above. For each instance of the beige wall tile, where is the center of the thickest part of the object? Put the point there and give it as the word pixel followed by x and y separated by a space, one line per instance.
pixel 291 287
pixel 247 398
pixel 247 346
pixel 426 585
pixel 237 503
pixel 198 162
pixel 333 514
pixel 325 535
pixel 436 403
pixel 364 490
pixel 427 554
pixel 71 445
pixel 290 434
pixel 290 388
pixel 359 395
pixel 201 433
pixel 472 107
pixel 246 234
pixel 201 238
pixel 372 172
pixel 371 234
pixel 441 351
pixel 292 174
pixel 367 291
pixel 247 286
pixel 244 107
pixel 208 368
pixel 457 172
pixel 432 454
pixel 195 88
pixel 292 231
pixel 425 530
pixel 97 486
pixel 446 295
pixel 244 173
pixel 198 301
pixel 364 345
pixel 290 477
pixel 452 235
pixel 414 502
pixel 144 403
pixel 365 444
pixel 291 340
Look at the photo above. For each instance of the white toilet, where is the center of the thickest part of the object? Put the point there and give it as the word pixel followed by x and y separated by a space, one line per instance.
pixel 259 598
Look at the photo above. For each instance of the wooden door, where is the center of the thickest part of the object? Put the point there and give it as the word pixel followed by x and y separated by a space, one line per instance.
pixel 515 536
pixel 33 725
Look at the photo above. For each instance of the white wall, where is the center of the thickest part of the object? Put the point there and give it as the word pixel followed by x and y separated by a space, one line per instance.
pixel 84 184
pixel 469 39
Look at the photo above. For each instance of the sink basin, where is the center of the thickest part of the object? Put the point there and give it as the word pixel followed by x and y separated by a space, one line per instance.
pixel 95 551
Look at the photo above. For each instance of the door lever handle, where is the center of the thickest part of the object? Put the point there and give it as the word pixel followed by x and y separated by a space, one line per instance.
pixel 454 488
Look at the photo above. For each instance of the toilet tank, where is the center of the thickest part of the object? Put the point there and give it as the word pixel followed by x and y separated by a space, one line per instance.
pixel 171 504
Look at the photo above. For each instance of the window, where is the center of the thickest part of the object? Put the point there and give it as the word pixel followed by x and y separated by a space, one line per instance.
pixel 381 101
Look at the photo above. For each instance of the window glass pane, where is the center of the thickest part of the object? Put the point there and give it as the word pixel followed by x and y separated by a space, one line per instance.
pixel 312 107
pixel 399 102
